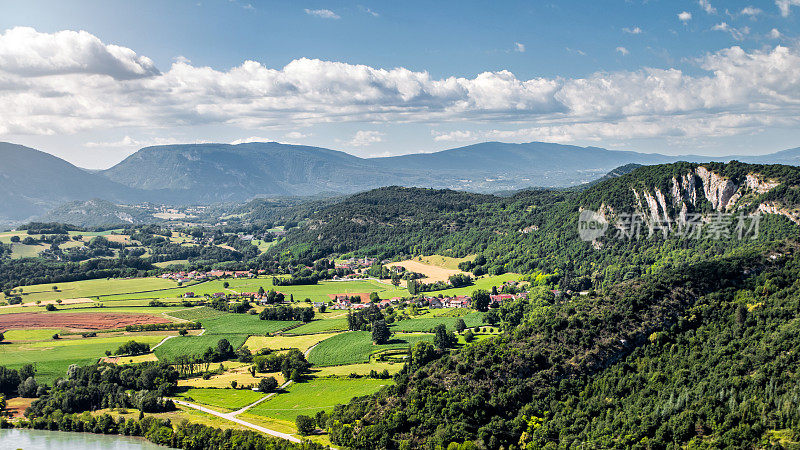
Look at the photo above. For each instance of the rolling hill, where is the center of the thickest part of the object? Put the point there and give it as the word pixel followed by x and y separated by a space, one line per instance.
pixel 34 182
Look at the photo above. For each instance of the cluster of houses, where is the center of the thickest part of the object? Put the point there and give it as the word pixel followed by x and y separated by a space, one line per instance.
pixel 359 263
pixel 345 301
pixel 184 277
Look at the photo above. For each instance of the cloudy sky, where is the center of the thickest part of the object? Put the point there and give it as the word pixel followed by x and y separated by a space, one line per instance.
pixel 93 81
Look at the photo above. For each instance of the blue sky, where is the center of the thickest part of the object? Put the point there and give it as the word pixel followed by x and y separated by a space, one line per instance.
pixel 379 78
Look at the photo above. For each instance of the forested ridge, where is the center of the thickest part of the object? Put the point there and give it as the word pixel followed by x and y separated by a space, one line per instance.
pixel 531 230
pixel 631 367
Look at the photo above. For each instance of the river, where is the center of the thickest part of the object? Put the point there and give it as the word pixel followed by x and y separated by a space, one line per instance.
pixel 12 439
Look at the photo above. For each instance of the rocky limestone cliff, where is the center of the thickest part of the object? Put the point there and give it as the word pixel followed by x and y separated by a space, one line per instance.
pixel 688 193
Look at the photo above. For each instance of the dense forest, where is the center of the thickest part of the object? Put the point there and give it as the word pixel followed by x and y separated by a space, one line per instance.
pixel 703 353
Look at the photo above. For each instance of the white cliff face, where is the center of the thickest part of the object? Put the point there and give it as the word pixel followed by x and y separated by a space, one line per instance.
pixel 774 208
pixel 723 194
pixel 717 189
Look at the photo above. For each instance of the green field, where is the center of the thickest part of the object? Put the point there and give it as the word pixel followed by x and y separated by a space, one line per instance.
pixel 198 313
pixel 92 288
pixel 195 345
pixel 38 334
pixel 320 326
pixel 481 283
pixel 317 292
pixel 53 357
pixel 231 399
pixel 244 324
pixel 426 324
pixel 316 395
pixel 354 347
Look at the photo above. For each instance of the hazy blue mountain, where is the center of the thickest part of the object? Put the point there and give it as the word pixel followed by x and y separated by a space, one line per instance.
pixel 32 182
pixel 222 172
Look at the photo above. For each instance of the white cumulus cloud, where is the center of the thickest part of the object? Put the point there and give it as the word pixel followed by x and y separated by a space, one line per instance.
pixel 624 51
pixel 364 138
pixel 24 51
pixel 733 89
pixel 519 47
pixel 706 6
pixel 785 6
pixel 685 16
pixel 634 30
pixel 750 11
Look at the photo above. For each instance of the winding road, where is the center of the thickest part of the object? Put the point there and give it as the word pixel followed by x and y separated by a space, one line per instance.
pixel 232 415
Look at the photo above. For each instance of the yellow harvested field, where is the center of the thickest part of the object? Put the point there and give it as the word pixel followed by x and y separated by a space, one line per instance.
pixel 444 261
pixel 236 373
pixel 69 301
pixel 431 272
pixel 360 369
pixel 147 357
pixel 302 343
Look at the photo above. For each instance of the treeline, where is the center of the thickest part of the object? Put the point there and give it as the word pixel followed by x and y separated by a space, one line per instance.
pixel 182 435
pixel 283 312
pixel 164 326
pixel 89 388
pixel 27 271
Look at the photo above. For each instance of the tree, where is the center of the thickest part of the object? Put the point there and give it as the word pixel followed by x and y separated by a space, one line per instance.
pixel 225 284
pixel 305 425
pixel 374 298
pixel 55 288
pixel 261 291
pixel 15 239
pixel 234 384
pixel 460 325
pixel 268 384
pixel 480 300
pixel 442 338
pixel 469 336
pixel 183 332
pixel 380 332
pixel 322 308
pixel 2 402
pixel 50 307
pixel 2 337
pixel 296 376
pixel 28 388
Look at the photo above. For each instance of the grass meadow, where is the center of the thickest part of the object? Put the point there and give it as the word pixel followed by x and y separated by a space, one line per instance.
pixel 195 345
pixel 427 324
pixel 354 347
pixel 53 357
pixel 316 395
pixel 231 399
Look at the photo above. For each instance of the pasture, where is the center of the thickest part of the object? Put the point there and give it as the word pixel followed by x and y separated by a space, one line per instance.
pixel 354 347
pixel 197 313
pixel 319 394
pixel 320 326
pixel 230 399
pixel 244 324
pixel 195 345
pixel 53 357
pixel 429 322
pixel 92 288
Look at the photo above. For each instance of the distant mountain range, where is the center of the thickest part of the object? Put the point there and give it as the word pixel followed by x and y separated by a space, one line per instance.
pixel 33 182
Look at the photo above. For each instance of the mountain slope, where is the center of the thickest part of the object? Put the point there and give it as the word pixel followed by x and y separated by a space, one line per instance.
pixel 222 172
pixel 32 182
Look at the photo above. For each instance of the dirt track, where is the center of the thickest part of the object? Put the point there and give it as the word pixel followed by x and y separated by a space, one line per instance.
pixel 78 321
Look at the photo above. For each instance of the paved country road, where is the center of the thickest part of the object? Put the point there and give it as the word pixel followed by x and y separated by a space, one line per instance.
pixel 232 417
